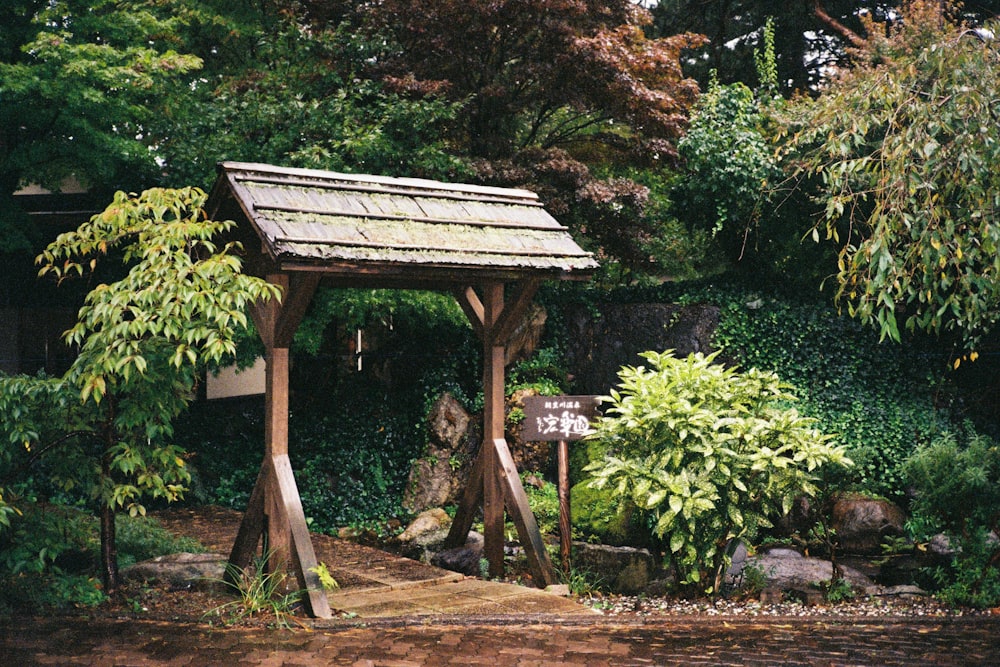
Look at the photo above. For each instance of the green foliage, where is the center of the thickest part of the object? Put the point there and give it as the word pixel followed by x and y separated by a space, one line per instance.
pixel 599 514
pixel 351 453
pixel 181 303
pixel 957 484
pixel 707 453
pixel 543 372
pixel 904 149
pixel 50 555
pixel 325 577
pixel 79 81
pixel 647 234
pixel 973 578
pixel 729 164
pixel 285 95
pixel 544 504
pixel 753 580
pixel 143 538
pixel 583 583
pixel 837 590
pixel 141 342
pixel 882 401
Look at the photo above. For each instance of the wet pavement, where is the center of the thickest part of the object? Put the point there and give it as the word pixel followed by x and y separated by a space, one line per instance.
pixel 521 640
pixel 396 612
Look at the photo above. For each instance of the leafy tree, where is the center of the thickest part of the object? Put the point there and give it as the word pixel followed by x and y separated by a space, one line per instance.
pixel 904 149
pixel 106 426
pixel 556 97
pixel 730 167
pixel 810 37
pixel 708 454
pixel 79 80
pixel 536 72
pixel 286 95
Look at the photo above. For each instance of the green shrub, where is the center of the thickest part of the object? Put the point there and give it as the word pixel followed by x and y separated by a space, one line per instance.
pixel 50 558
pixel 973 578
pixel 707 454
pixel 543 371
pixel 957 484
pixel 544 504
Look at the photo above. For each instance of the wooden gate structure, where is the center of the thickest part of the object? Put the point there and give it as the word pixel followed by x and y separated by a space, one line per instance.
pixel 490 247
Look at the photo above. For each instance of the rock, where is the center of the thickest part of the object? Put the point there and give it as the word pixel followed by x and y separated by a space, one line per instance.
pixel 940 548
pixel 558 589
pixel 622 569
pixel 904 591
pixel 524 341
pixel 861 524
pixel 437 478
pixel 179 570
pixel 429 521
pixel 738 560
pixel 424 536
pixel 466 559
pixel 788 570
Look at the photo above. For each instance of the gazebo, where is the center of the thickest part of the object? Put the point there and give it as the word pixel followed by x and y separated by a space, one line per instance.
pixel 490 247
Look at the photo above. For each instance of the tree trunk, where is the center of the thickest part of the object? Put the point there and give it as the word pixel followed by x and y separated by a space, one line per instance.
pixel 109 545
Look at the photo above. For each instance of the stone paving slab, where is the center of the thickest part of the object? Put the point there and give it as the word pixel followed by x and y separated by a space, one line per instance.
pixel 463 595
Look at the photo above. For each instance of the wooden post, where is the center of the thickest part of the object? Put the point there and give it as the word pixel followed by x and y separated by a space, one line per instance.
pixel 275 508
pixel 493 430
pixel 565 527
pixel 495 480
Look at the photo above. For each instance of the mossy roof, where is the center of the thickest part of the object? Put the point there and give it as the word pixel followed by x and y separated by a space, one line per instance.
pixel 312 220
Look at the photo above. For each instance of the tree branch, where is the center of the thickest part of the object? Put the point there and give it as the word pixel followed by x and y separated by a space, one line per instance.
pixel 39 453
pixel 854 38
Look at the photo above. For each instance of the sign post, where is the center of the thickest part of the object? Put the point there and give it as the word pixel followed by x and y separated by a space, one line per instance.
pixel 560 419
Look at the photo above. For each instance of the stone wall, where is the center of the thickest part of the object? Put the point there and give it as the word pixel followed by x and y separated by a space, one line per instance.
pixel 601 343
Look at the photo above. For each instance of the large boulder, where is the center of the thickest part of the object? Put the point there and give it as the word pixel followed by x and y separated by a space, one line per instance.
pixel 436 478
pixel 529 456
pixel 467 559
pixel 179 570
pixel 524 341
pixel 862 524
pixel 425 535
pixel 621 569
pixel 787 569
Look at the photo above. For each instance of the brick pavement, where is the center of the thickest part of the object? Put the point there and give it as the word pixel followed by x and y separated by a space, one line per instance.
pixel 521 641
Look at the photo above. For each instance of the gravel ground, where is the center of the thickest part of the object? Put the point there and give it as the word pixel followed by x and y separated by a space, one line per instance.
pixel 910 606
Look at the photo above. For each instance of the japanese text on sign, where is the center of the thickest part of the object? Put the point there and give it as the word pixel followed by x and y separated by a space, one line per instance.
pixel 558 417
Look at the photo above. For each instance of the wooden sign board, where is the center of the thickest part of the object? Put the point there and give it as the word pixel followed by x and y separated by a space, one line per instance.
pixel 552 418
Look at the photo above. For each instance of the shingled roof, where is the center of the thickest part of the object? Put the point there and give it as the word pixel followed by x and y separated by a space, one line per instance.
pixel 311 220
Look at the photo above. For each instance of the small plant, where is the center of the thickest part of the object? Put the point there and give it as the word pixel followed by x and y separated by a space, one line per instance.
pixel 325 577
pixel 753 579
pixel 260 593
pixel 583 583
pixel 515 416
pixel 837 590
